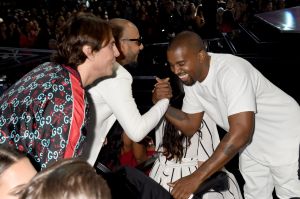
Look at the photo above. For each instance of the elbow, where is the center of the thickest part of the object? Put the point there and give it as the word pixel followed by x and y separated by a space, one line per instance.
pixel 136 138
pixel 135 135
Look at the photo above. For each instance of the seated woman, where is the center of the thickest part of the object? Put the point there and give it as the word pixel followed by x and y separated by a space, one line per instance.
pixel 180 156
pixel 15 170
pixel 66 178
pixel 119 150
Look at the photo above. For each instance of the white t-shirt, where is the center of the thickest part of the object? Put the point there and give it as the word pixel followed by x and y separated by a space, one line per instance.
pixel 232 86
pixel 112 100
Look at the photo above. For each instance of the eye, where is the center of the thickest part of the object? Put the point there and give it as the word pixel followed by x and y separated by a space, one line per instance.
pixel 181 64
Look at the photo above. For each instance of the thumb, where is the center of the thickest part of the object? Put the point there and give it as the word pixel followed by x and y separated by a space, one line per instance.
pixel 158 79
pixel 171 184
pixel 162 80
pixel 166 79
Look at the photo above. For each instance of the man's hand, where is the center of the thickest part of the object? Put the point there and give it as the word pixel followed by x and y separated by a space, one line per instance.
pixel 184 187
pixel 162 89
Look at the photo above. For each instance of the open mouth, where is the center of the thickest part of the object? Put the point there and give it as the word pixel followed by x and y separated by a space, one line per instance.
pixel 183 76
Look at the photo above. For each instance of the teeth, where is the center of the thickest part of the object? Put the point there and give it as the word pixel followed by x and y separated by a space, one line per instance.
pixel 182 76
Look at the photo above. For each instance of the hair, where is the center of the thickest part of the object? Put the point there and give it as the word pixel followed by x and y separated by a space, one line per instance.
pixel 172 142
pixel 67 178
pixel 81 29
pixel 110 152
pixel 9 156
pixel 172 138
pixel 117 25
pixel 187 39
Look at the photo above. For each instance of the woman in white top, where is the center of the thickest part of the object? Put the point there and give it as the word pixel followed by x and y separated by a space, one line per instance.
pixel 180 156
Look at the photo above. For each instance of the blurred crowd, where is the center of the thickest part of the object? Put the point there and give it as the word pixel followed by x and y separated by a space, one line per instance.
pixel 158 21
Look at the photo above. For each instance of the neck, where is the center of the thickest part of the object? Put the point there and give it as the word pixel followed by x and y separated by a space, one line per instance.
pixel 86 78
pixel 205 68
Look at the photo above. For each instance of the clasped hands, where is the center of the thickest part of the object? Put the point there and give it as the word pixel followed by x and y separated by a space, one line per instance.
pixel 162 89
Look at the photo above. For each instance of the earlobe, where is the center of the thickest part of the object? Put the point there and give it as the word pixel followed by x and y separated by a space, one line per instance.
pixel 87 51
pixel 200 56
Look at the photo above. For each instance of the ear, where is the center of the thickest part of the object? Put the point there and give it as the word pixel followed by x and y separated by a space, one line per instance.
pixel 87 50
pixel 200 55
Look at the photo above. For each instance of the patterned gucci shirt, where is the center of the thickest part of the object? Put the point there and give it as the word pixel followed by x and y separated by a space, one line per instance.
pixel 44 114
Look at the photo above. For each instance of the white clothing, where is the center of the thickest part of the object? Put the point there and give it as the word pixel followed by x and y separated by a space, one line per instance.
pixel 284 178
pixel 232 86
pixel 203 144
pixel 112 100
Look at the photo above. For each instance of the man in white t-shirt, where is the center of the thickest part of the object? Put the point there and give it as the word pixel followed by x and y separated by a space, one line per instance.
pixel 112 98
pixel 263 122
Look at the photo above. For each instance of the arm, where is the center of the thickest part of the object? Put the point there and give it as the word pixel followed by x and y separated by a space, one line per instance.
pixel 186 123
pixel 239 135
pixel 117 93
pixel 139 150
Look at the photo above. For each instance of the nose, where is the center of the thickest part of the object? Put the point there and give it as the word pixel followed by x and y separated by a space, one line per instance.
pixel 141 46
pixel 175 69
pixel 116 51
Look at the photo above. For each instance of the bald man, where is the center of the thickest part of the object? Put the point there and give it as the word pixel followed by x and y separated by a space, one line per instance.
pixel 112 98
pixel 261 120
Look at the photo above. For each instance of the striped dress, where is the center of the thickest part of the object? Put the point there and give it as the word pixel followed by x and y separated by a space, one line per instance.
pixel 203 144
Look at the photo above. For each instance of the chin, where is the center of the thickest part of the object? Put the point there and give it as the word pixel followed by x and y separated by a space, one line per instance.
pixel 189 83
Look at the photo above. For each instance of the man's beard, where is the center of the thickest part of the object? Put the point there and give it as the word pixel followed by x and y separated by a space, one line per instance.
pixel 189 82
pixel 132 65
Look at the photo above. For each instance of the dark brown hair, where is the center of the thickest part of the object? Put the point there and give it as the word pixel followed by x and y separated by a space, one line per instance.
pixel 81 29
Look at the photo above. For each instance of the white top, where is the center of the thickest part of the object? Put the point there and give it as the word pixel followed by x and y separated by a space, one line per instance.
pixel 209 136
pixel 233 85
pixel 202 145
pixel 112 99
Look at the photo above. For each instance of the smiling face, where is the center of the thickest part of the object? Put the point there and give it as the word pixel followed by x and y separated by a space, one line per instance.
pixel 130 45
pixel 185 64
pixel 105 59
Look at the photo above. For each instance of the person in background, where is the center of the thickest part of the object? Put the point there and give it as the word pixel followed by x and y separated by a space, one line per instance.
pixel 119 150
pixel 112 98
pixel 44 113
pixel 262 121
pixel 67 178
pixel 15 170
pixel 180 156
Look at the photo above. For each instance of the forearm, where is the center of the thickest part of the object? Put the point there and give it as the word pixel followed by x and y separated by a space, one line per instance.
pixel 137 126
pixel 229 146
pixel 182 121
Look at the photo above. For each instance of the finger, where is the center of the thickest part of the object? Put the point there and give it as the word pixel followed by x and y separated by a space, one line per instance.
pixel 158 79
pixel 166 79
pixel 163 84
pixel 162 80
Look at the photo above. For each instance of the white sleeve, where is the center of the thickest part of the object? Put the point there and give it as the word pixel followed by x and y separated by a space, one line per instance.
pixel 159 133
pixel 118 97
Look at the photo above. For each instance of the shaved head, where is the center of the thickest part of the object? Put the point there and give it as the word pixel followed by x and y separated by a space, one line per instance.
pixel 119 26
pixel 188 58
pixel 187 39
pixel 127 39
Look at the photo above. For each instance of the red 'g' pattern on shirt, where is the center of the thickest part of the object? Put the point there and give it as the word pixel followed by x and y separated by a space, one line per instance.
pixel 44 114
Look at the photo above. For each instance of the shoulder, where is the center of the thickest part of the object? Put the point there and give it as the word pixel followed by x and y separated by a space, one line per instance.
pixel 121 78
pixel 229 65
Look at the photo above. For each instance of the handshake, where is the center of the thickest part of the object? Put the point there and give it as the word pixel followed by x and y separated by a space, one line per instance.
pixel 162 89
